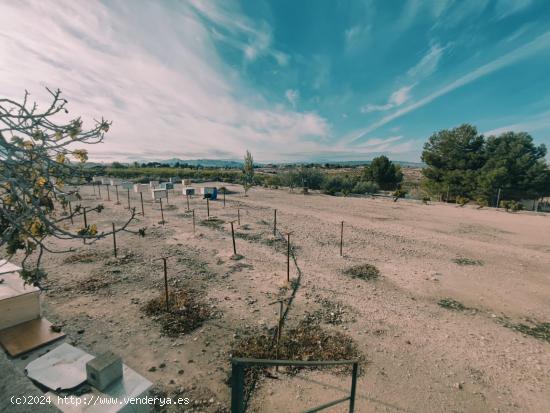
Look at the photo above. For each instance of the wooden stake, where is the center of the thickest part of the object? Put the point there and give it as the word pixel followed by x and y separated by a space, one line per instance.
pixel 279 331
pixel 239 216
pixel 208 207
pixel 224 197
pixel 187 196
pixel 71 213
pixel 167 201
pixel 99 187
pixel 161 212
pixel 233 236
pixel 275 223
pixel 93 186
pixel 116 190
pixel 193 222
pixel 342 239
pixel 85 220
pixel 141 199
pixel 108 193
pixel 114 240
pixel 128 189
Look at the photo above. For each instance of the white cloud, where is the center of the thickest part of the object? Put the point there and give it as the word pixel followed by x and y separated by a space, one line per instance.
pixel 292 96
pixel 429 62
pixel 396 99
pixel 535 123
pixel 506 8
pixel 154 70
pixel 538 44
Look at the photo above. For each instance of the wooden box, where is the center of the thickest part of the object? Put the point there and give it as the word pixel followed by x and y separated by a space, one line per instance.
pixel 18 302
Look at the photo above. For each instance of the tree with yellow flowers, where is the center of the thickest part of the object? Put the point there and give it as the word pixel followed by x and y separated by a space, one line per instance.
pixel 38 157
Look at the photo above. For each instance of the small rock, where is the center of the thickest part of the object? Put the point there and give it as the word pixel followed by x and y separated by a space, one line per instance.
pixel 152 368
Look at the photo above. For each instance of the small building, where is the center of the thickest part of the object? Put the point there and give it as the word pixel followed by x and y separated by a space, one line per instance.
pixel 210 192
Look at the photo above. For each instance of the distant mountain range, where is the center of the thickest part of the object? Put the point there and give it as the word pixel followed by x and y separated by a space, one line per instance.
pixel 231 163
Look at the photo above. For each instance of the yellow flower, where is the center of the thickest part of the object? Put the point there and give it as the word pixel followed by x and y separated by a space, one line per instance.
pixel 93 229
pixel 41 181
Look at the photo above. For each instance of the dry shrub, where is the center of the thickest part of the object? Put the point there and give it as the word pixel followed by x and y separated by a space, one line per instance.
pixel 185 312
pixel 214 223
pixel 363 271
pixel 86 257
pixel 307 341
pixel 451 304
pixel 467 261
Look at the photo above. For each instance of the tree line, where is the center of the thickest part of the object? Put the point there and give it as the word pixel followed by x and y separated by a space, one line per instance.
pixel 462 164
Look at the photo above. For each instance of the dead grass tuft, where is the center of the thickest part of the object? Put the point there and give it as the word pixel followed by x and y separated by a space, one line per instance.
pixel 538 330
pixel 363 271
pixel 214 223
pixel 185 312
pixel 451 304
pixel 467 261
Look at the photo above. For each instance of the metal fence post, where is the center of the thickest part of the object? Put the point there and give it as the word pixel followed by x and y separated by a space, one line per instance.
pixel 353 387
pixel 237 388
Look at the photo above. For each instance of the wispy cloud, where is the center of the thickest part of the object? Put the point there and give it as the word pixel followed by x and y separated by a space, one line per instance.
pixel 292 96
pixel 540 43
pixel 538 122
pixel 429 62
pixel 168 93
pixel 397 98
pixel 506 8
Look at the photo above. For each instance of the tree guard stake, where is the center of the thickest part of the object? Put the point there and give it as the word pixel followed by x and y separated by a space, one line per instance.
pixel 239 216
pixel 193 222
pixel 117 200
pixel 141 199
pixel 224 196
pixel 128 189
pixel 108 193
pixel 275 223
pixel 187 195
pixel 166 284
pixel 208 207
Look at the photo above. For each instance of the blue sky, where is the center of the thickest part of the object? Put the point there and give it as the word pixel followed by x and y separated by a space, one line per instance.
pixel 289 80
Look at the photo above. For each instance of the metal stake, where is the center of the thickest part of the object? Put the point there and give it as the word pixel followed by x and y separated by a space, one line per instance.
pixel 117 200
pixel 114 240
pixel 99 187
pixel 166 285
pixel 193 222
pixel 108 193
pixel 71 213
pixel 187 195
pixel 208 207
pixel 161 212
pixel 239 216
pixel 224 197
pixel 167 201
pixel 275 223
pixel 85 220
pixel 288 259
pixel 342 239
pixel 233 236
pixel 141 199
pixel 128 189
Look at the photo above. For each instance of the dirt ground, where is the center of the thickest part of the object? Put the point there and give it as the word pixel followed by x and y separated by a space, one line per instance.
pixel 420 356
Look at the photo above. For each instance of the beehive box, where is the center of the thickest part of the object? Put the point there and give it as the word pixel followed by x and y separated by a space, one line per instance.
pixel 187 190
pixel 153 184
pixel 166 185
pixel 18 302
pixel 97 179
pixel 158 194
pixel 127 185
pixel 141 188
pixel 116 182
pixel 105 181
pixel 186 182
pixel 209 192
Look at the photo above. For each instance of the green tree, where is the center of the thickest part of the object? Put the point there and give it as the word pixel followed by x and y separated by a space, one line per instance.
pixel 39 157
pixel 454 158
pixel 516 165
pixel 384 172
pixel 248 172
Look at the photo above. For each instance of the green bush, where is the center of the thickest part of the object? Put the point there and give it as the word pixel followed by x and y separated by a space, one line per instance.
pixel 338 183
pixel 365 187
pixel 482 202
pixel 461 200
